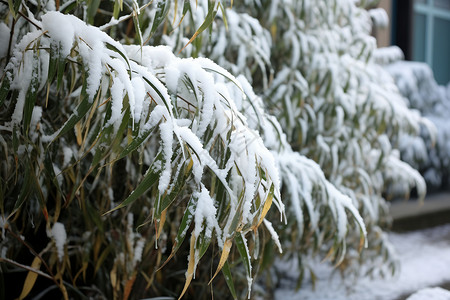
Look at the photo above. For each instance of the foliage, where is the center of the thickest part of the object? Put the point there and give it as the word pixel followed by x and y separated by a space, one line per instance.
pixel 313 65
pixel 114 152
pixel 427 152
pixel 86 120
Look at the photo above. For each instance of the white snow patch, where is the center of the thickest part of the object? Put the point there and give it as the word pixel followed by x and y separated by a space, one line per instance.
pixel 59 235
pixel 435 293
pixel 424 259
pixel 4 36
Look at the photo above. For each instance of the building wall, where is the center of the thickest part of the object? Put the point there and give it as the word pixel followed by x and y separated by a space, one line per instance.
pixel 383 35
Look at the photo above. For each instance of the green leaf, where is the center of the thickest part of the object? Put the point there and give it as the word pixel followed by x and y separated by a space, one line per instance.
pixel 61 63
pixel 70 7
pixel 179 185
pixel 40 195
pixel 92 10
pixel 118 138
pixel 243 252
pixel 14 7
pixel 137 141
pixel 183 228
pixel 26 189
pixel 50 172
pixel 79 113
pixel 17 4
pixel 115 49
pixel 158 92
pixel 161 13
pixel 137 28
pixel 54 60
pixel 202 244
pixel 150 178
pixel 30 98
pixel 212 11
pixel 4 89
pixel 224 15
pixel 117 9
pixel 228 279
pixel 186 221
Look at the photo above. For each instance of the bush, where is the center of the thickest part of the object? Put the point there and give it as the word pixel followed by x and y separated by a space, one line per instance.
pixel 115 151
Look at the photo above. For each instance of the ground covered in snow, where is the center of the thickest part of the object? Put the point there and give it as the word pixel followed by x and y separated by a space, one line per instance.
pixel 425 262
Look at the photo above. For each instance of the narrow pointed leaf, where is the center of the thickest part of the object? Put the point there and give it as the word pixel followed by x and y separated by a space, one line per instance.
pixel 223 258
pixel 150 178
pixel 30 280
pixel 229 279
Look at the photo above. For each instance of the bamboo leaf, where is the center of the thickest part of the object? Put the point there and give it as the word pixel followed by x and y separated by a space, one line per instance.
pixel 162 220
pixel 69 7
pixel 30 280
pixel 128 287
pixel 161 13
pixel 212 11
pixel 182 229
pixel 243 252
pixel 229 279
pixel 179 185
pixel 17 5
pixel 25 191
pixel 102 258
pixel 31 96
pixel 267 204
pixel 115 49
pixel 117 9
pixel 92 8
pixel 4 89
pixel 61 63
pixel 191 266
pixel 150 178
pixel 136 142
pixel 79 113
pixel 223 258
pixel 158 92
pixel 53 63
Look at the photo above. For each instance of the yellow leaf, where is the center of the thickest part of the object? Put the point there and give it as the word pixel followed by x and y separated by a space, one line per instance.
pixel 78 133
pixel 30 280
pixel 266 207
pixel 128 287
pixel 161 223
pixel 191 265
pixel 189 167
pixel 113 277
pixel 225 252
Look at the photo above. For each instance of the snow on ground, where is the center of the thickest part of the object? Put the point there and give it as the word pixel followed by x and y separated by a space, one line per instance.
pixel 431 294
pixel 425 262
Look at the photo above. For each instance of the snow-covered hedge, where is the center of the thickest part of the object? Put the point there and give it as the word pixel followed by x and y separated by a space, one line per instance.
pixel 116 151
pixel 429 154
pixel 315 67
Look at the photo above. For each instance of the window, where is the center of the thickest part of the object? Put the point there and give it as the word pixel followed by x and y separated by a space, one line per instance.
pixel 431 36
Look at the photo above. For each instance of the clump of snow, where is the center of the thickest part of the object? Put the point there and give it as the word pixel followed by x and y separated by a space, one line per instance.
pixel 433 293
pixel 4 36
pixel 59 236
pixel 60 29
pixel 205 212
pixel 379 17
pixel 387 55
